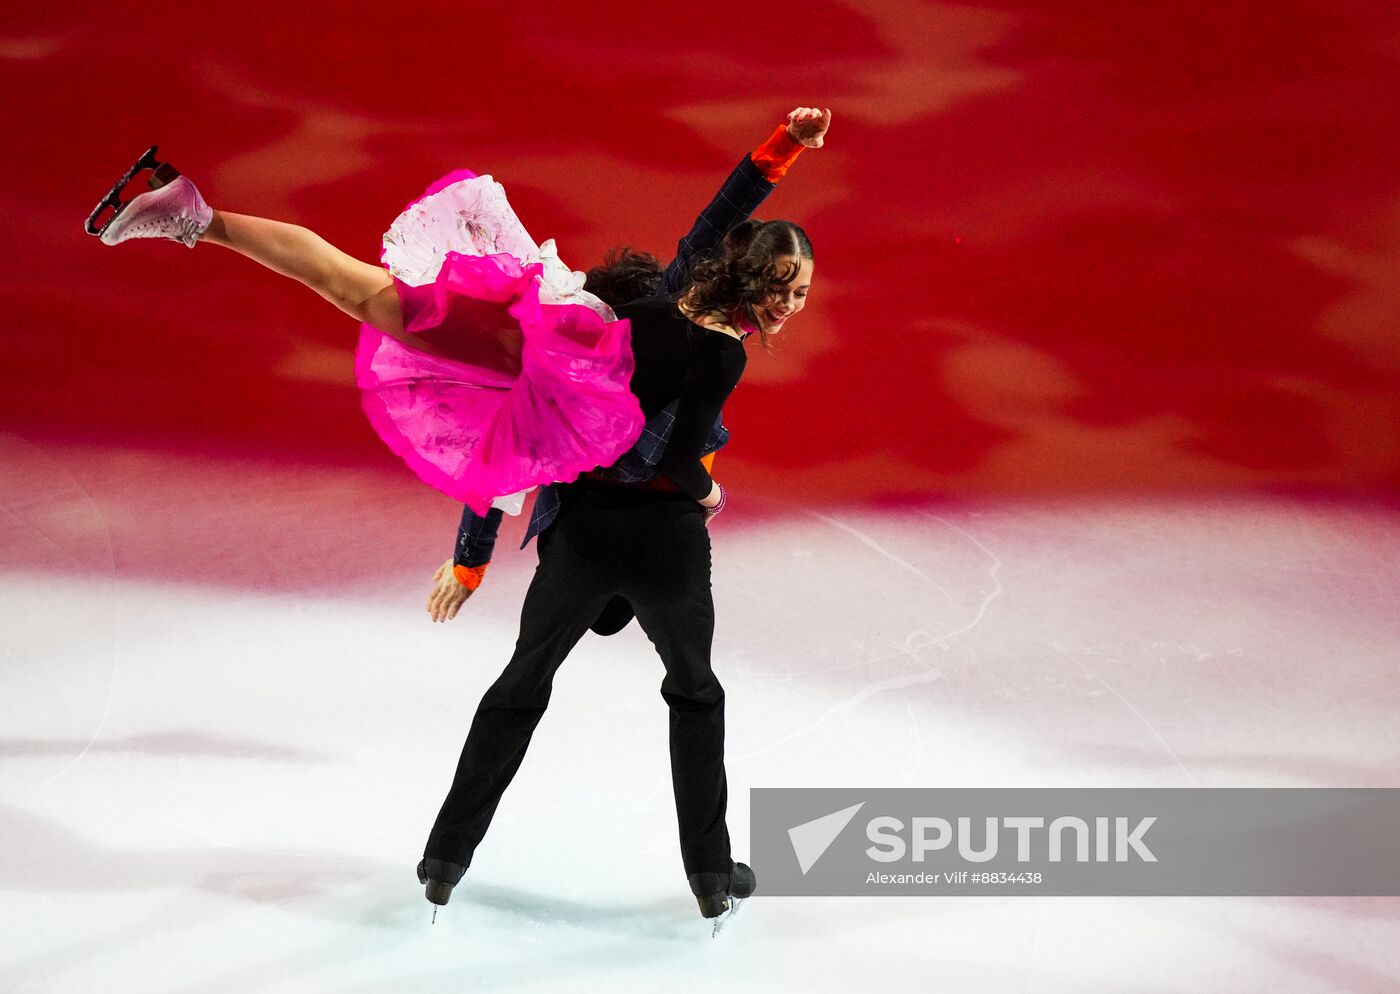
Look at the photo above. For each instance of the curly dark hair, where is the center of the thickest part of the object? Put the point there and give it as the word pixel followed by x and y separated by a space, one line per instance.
pixel 624 276
pixel 733 283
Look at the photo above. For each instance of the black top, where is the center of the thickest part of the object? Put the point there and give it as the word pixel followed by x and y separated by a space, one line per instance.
pixel 678 359
pixel 740 195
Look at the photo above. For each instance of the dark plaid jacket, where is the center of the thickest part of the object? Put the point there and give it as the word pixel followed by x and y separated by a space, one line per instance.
pixel 739 196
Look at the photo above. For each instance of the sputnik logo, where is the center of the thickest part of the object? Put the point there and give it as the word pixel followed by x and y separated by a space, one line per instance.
pixel 813 838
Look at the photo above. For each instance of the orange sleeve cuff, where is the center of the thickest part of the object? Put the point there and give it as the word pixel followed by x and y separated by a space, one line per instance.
pixel 470 576
pixel 775 156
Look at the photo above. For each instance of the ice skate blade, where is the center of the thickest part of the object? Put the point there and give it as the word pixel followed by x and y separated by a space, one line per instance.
pixel 162 173
pixel 734 903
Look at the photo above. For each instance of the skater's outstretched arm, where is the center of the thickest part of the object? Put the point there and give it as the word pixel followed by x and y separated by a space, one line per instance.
pixel 744 190
pixel 363 291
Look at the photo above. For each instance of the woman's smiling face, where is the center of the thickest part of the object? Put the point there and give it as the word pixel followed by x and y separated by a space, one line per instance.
pixel 778 307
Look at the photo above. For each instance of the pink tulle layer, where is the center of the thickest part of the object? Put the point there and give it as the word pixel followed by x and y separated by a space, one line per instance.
pixel 490 391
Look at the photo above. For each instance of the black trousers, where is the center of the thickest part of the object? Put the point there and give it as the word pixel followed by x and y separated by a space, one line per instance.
pixel 652 548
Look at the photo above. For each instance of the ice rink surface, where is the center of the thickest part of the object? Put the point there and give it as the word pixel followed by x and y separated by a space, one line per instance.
pixel 226 724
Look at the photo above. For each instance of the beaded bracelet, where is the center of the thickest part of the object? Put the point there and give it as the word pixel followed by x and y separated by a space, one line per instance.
pixel 710 512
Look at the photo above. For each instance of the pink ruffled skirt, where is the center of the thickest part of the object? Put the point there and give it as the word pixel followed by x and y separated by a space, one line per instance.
pixel 508 375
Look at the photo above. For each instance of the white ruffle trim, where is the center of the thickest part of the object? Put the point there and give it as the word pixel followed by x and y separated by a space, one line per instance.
pixel 473 217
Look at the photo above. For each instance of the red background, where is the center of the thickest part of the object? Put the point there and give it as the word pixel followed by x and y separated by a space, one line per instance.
pixel 1061 247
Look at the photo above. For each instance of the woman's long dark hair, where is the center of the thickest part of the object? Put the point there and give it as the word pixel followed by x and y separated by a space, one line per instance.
pixel 624 276
pixel 729 285
pixel 733 283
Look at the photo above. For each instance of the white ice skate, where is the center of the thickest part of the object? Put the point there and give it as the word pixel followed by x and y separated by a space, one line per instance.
pixel 171 209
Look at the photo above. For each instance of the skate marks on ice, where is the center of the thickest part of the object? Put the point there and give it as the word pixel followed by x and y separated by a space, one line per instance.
pixel 1165 641
pixel 867 540
pixel 151 897
pixel 914 645
pixel 1061 651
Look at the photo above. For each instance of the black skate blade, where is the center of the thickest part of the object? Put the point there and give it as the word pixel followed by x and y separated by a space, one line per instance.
pixel 161 174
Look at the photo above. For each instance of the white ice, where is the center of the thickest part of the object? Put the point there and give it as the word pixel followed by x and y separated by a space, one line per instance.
pixel 226 724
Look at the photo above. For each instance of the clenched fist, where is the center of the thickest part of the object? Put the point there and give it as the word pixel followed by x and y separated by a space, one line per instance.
pixel 808 125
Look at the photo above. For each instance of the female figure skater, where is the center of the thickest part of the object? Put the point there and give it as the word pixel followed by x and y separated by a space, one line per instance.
pixel 533 387
pixel 490 369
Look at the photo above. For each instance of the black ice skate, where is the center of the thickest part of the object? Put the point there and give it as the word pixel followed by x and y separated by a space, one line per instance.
pixel 440 877
pixel 717 893
pixel 172 208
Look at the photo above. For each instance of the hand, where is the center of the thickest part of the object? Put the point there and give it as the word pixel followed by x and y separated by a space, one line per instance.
pixel 808 125
pixel 448 595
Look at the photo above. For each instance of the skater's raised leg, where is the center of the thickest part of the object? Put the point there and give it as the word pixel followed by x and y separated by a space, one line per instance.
pixel 174 209
pixel 365 292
